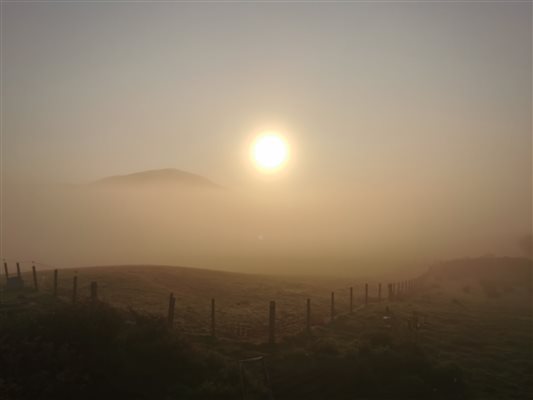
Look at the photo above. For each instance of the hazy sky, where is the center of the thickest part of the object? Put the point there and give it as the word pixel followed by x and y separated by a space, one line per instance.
pixel 425 103
pixel 363 91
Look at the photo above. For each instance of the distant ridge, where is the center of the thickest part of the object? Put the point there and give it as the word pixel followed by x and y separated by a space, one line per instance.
pixel 501 269
pixel 167 177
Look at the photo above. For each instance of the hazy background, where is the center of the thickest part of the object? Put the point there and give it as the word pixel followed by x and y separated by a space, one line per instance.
pixel 410 126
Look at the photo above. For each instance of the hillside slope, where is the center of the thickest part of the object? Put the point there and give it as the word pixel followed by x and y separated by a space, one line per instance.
pixel 473 341
pixel 168 176
pixel 241 299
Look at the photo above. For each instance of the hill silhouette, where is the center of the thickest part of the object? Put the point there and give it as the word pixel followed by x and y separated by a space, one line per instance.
pixel 165 177
pixel 502 270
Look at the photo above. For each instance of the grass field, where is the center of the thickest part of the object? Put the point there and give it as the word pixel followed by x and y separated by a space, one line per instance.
pixel 241 299
pixel 474 339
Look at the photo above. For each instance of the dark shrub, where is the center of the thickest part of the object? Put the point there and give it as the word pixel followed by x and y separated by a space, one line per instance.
pixel 92 351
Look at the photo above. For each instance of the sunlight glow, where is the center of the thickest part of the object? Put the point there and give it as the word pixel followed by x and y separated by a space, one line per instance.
pixel 270 151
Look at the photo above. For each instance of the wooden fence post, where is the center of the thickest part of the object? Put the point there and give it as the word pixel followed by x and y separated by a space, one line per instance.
pixel 366 294
pixel 94 291
pixel 272 323
pixel 35 281
pixel 308 317
pixel 171 307
pixel 55 282
pixel 379 293
pixel 19 275
pixel 332 305
pixel 74 289
pixel 213 331
pixel 351 299
pixel 6 271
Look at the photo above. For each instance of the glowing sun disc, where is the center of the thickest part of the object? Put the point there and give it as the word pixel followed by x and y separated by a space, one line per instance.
pixel 269 151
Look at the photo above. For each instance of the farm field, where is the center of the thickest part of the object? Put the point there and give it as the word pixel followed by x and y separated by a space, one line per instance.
pixel 462 336
pixel 242 300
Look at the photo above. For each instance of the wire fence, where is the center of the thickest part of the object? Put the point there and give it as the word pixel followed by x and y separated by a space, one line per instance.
pixel 258 320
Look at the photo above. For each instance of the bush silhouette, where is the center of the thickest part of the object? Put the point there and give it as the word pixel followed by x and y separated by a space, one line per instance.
pixel 92 351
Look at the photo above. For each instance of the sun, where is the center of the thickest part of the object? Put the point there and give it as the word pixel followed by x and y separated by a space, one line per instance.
pixel 270 151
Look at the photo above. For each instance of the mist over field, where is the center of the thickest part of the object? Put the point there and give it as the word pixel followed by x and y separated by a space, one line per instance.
pixel 333 230
pixel 406 131
pixel 289 200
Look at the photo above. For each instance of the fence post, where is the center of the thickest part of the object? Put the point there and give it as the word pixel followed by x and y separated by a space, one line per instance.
pixel 308 317
pixel 379 293
pixel 171 307
pixel 351 299
pixel 18 270
pixel 366 294
pixel 213 331
pixel 35 281
pixel 332 305
pixel 94 291
pixel 389 287
pixel 55 282
pixel 6 271
pixel 74 289
pixel 272 323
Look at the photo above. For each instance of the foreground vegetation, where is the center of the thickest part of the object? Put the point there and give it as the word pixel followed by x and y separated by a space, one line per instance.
pixel 89 351
pixel 462 337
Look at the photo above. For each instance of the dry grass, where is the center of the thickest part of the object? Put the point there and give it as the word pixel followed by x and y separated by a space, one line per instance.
pixel 484 326
pixel 241 299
